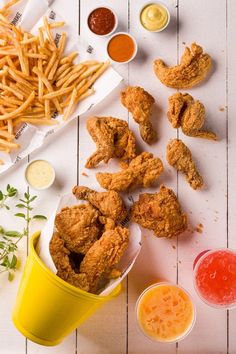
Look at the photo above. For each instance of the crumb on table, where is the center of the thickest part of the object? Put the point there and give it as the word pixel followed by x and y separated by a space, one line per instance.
pixel 84 174
pixel 199 228
pixel 174 247
pixel 221 109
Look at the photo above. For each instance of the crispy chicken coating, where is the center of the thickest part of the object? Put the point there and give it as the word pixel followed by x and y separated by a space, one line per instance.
pixel 103 256
pixel 109 204
pixel 61 258
pixel 160 212
pixel 78 226
pixel 139 103
pixel 188 114
pixel 113 139
pixel 179 156
pixel 142 171
pixel 193 68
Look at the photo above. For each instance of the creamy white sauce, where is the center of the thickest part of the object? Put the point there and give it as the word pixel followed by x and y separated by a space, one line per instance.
pixel 40 174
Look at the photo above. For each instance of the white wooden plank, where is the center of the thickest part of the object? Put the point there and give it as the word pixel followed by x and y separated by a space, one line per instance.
pixel 231 55
pixel 61 151
pixel 105 331
pixel 205 23
pixel 157 260
pixel 11 340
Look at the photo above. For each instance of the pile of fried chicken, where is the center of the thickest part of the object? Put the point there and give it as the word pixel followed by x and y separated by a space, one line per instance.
pixel 89 239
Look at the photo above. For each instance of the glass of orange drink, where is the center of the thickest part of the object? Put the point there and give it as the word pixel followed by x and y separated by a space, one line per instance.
pixel 165 312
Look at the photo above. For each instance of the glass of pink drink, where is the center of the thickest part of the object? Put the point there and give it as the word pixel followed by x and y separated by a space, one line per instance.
pixel 215 277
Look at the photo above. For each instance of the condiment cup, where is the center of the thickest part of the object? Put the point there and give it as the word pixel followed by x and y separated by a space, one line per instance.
pixel 196 264
pixel 135 48
pixel 115 26
pixel 155 3
pixel 181 337
pixel 47 186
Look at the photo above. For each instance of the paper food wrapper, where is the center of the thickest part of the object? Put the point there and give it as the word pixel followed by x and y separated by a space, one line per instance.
pixel 126 262
pixel 29 15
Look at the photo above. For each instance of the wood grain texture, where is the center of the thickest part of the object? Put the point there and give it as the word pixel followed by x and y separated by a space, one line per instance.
pixel 113 330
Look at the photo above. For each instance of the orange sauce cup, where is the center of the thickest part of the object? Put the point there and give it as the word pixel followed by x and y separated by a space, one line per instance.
pixel 165 312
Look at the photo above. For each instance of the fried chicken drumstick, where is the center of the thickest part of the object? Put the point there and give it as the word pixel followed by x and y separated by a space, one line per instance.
pixel 109 204
pixel 193 68
pixel 113 139
pixel 179 156
pixel 160 212
pixel 188 114
pixel 139 103
pixel 103 256
pixel 142 171
pixel 78 227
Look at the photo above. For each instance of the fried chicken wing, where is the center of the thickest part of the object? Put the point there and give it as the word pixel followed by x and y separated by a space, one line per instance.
pixel 113 139
pixel 189 114
pixel 193 68
pixel 139 102
pixel 160 212
pixel 179 156
pixel 103 256
pixel 61 258
pixel 109 204
pixel 142 171
pixel 78 226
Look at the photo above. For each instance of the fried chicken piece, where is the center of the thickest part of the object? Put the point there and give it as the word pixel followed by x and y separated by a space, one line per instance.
pixel 188 114
pixel 113 139
pixel 109 204
pixel 193 68
pixel 179 156
pixel 103 256
pixel 160 212
pixel 139 102
pixel 78 226
pixel 61 258
pixel 142 171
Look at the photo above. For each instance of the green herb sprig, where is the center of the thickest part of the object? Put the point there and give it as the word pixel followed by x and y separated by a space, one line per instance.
pixel 9 239
pixel 26 205
pixel 9 193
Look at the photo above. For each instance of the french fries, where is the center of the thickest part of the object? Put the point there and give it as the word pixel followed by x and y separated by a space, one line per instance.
pixel 37 79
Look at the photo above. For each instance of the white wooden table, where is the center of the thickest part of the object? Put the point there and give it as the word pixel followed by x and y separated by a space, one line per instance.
pixel 112 330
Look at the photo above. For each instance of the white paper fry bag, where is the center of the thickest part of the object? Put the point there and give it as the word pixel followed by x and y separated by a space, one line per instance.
pixel 126 263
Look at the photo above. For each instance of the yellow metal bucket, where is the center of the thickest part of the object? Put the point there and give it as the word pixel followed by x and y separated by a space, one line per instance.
pixel 47 308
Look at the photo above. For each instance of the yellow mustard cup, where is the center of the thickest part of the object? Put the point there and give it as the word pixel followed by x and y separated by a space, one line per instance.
pixel 47 308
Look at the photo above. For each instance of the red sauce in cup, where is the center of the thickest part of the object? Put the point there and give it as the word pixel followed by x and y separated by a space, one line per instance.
pixel 101 21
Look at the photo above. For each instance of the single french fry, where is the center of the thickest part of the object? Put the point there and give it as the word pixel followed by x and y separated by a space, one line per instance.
pixel 70 106
pixel 86 94
pixel 57 93
pixel 90 71
pixel 20 109
pixel 37 121
pixel 47 109
pixel 51 62
pixel 30 40
pixel 56 24
pixel 69 58
pixel 48 31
